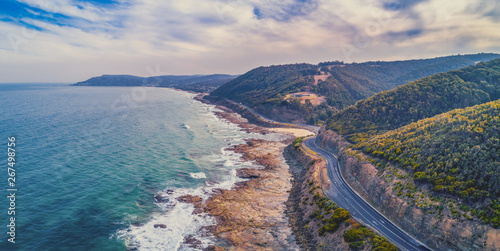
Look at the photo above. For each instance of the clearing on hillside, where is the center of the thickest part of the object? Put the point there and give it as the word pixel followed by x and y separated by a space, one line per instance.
pixel 303 96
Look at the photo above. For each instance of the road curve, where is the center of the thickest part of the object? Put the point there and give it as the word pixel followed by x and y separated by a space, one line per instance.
pixel 341 192
pixel 312 128
pixel 347 198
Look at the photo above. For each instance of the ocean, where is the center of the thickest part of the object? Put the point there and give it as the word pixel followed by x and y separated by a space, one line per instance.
pixel 97 167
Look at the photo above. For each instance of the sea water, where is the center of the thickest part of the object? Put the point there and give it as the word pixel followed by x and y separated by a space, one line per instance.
pixel 98 167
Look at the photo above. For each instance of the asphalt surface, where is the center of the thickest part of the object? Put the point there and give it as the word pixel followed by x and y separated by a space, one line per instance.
pixel 362 211
pixel 313 128
pixel 341 192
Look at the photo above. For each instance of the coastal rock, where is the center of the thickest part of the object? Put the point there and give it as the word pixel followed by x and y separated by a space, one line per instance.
pixel 191 242
pixel 254 150
pixel 189 199
pixel 214 248
pixel 251 216
pixel 160 226
pixel 248 173
pixel 161 199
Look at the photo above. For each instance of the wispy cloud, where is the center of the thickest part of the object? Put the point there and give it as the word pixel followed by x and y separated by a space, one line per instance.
pixel 70 40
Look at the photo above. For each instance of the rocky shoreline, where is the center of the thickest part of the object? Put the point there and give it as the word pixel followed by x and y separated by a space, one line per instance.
pixel 252 215
pixel 279 205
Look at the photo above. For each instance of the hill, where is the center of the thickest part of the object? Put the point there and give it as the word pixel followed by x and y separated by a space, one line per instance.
pixel 457 152
pixel 199 83
pixel 332 86
pixel 418 100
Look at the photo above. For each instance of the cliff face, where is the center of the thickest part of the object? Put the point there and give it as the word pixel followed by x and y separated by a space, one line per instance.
pixel 302 205
pixel 432 219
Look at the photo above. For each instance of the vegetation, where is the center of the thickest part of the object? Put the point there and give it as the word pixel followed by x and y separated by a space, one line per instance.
pixel 418 100
pixel 264 84
pixel 326 207
pixel 458 152
pixel 198 83
pixel 296 142
pixel 266 88
pixel 359 235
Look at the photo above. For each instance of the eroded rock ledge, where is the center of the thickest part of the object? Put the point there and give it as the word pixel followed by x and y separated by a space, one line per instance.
pixel 251 216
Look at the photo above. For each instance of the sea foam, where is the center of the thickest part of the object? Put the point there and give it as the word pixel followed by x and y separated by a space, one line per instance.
pixel 178 216
pixel 200 175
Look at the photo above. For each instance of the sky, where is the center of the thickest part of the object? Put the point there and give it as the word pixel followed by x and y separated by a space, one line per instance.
pixel 73 40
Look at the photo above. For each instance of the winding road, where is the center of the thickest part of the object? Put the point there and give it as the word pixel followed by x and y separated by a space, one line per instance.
pixel 342 194
pixel 361 210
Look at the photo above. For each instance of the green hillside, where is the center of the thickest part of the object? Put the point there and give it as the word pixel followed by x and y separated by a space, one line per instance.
pixel 261 84
pixel 198 83
pixel 418 100
pixel 458 152
pixel 266 88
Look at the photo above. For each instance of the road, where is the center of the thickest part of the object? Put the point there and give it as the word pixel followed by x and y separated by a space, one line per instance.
pixel 347 198
pixel 342 193
pixel 312 128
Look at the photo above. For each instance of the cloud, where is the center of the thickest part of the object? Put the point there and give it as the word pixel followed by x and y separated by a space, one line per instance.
pixel 88 38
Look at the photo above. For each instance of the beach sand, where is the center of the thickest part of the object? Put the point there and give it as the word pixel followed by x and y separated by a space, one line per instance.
pixel 294 131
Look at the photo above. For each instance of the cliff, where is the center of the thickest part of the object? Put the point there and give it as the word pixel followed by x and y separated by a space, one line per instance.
pixel 318 223
pixel 434 219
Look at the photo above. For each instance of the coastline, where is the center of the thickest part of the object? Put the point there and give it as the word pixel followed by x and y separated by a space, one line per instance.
pixel 281 206
pixel 253 214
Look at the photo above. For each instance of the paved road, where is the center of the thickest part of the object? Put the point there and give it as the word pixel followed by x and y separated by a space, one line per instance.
pixel 347 198
pixel 312 128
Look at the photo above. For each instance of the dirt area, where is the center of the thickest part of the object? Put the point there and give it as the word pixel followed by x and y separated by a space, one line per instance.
pixel 303 96
pixel 321 77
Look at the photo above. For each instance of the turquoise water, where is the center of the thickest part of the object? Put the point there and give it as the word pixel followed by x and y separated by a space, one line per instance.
pixel 90 160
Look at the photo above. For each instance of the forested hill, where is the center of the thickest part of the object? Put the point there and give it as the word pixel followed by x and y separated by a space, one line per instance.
pixel 339 84
pixel 420 99
pixel 458 152
pixel 200 83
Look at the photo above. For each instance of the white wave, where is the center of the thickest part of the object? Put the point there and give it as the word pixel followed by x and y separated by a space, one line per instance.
pixel 179 220
pixel 178 216
pixel 200 175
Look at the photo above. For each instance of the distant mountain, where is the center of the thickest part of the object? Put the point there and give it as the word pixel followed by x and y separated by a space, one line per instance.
pixel 338 85
pixel 421 99
pixel 199 83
